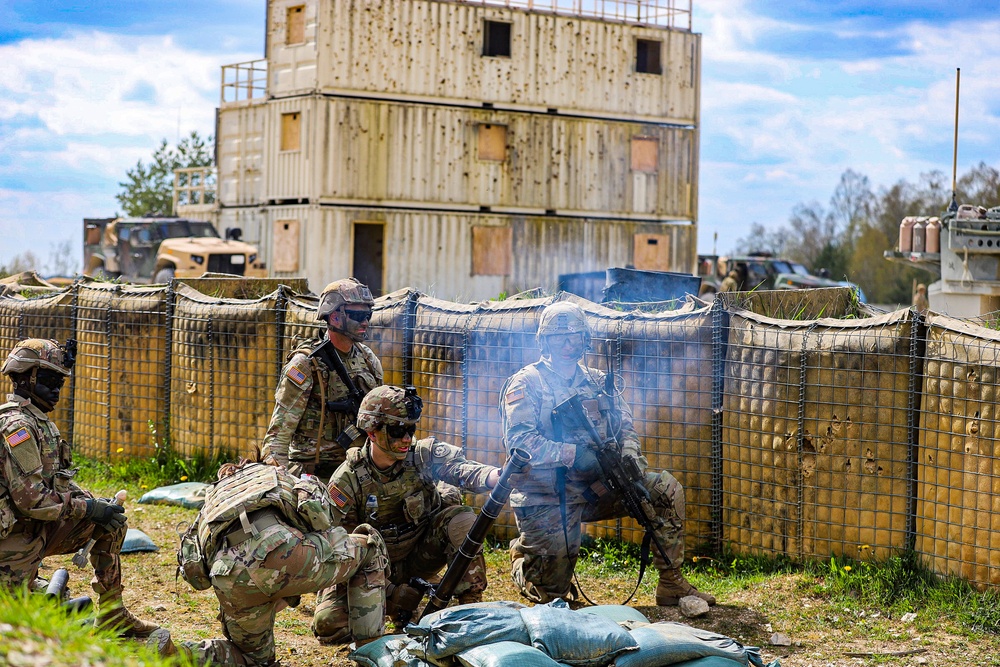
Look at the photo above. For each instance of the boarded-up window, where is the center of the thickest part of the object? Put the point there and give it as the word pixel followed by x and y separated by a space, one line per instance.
pixel 295 22
pixel 651 252
pixel 492 142
pixel 645 154
pixel 491 250
pixel 647 56
pixel 496 39
pixel 291 131
pixel 286 246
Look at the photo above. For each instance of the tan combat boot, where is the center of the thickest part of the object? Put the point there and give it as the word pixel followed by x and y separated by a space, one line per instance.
pixel 673 586
pixel 112 615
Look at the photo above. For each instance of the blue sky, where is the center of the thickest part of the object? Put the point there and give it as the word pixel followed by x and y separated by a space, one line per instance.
pixel 793 94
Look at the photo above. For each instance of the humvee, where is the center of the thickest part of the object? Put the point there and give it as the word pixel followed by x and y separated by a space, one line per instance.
pixel 759 271
pixel 154 250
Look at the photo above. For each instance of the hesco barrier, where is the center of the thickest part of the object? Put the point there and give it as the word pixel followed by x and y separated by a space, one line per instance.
pixel 801 424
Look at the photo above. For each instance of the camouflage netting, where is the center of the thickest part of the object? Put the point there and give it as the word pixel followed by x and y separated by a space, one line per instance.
pixel 801 423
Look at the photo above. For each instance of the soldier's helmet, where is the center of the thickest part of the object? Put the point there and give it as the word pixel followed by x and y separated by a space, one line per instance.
pixel 343 292
pixel 389 404
pixel 563 317
pixel 33 353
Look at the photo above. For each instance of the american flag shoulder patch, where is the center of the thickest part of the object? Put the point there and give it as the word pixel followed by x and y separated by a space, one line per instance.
pixel 296 375
pixel 17 437
pixel 339 497
pixel 514 395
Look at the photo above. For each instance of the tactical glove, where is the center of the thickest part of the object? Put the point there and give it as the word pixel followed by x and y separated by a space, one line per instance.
pixel 105 513
pixel 585 461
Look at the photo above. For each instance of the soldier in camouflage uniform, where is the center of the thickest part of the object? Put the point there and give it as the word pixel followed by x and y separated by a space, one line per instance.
pixel 563 483
pixel 308 386
pixel 390 483
pixel 43 512
pixel 273 538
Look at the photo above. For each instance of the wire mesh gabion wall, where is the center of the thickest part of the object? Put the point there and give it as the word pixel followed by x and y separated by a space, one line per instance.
pixel 800 424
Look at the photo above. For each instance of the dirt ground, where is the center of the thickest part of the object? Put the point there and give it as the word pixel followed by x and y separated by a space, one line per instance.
pixel 821 635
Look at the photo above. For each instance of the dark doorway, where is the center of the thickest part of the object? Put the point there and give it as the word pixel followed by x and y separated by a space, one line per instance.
pixel 369 246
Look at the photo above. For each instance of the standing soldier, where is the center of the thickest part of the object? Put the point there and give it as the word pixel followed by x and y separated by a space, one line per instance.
pixel 314 406
pixel 563 488
pixel 265 538
pixel 43 512
pixel 390 483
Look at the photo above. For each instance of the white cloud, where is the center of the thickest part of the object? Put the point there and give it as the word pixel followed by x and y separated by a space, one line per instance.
pixel 78 112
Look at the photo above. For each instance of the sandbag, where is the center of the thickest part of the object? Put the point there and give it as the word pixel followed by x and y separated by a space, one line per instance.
pixel 386 651
pixel 185 494
pixel 615 612
pixel 137 541
pixel 573 638
pixel 443 634
pixel 504 654
pixel 669 643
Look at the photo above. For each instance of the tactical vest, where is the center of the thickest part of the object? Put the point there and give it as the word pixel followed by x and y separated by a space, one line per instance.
pixel 539 484
pixel 405 503
pixel 303 442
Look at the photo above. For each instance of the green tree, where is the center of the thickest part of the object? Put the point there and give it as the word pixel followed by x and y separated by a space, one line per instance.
pixel 148 188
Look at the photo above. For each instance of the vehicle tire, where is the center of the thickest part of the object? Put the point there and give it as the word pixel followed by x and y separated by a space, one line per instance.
pixel 164 275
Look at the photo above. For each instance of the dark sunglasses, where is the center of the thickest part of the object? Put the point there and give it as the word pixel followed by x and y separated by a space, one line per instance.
pixel 358 315
pixel 398 431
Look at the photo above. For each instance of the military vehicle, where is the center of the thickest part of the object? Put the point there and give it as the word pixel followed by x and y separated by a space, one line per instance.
pixel 759 271
pixel 154 250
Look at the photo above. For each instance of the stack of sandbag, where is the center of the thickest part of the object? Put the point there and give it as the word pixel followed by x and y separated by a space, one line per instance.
pixel 501 634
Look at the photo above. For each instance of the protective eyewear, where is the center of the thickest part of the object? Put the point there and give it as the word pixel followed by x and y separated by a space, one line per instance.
pixel 358 315
pixel 399 431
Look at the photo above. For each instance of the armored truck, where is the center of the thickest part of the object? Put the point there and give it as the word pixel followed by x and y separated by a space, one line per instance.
pixel 154 250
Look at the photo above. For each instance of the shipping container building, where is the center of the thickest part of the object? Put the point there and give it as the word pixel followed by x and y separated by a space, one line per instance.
pixel 464 148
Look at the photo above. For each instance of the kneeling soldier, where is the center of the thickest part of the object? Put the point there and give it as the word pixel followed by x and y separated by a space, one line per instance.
pixel 267 537
pixel 390 483
pixel 43 512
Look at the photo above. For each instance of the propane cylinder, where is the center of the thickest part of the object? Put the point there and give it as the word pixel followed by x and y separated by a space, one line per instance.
pixel 932 235
pixel 918 236
pixel 906 234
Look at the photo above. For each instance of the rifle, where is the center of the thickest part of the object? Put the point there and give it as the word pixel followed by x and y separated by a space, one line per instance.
pixel 620 474
pixel 349 405
pixel 442 593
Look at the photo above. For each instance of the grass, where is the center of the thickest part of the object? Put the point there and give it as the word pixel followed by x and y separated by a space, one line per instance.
pixel 827 608
pixel 37 631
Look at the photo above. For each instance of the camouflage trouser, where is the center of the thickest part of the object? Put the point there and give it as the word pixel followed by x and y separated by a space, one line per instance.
pixel 252 589
pixel 423 557
pixel 23 551
pixel 542 562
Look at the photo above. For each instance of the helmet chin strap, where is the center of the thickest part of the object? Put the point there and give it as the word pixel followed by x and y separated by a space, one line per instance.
pixel 28 386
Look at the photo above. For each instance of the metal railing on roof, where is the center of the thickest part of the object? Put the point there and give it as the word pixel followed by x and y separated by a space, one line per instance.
pixel 663 13
pixel 244 81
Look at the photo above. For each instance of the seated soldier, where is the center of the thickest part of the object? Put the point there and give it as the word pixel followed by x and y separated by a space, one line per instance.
pixel 43 512
pixel 390 483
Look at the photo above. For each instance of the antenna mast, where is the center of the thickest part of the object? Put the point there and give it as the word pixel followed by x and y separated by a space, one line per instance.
pixel 954 152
